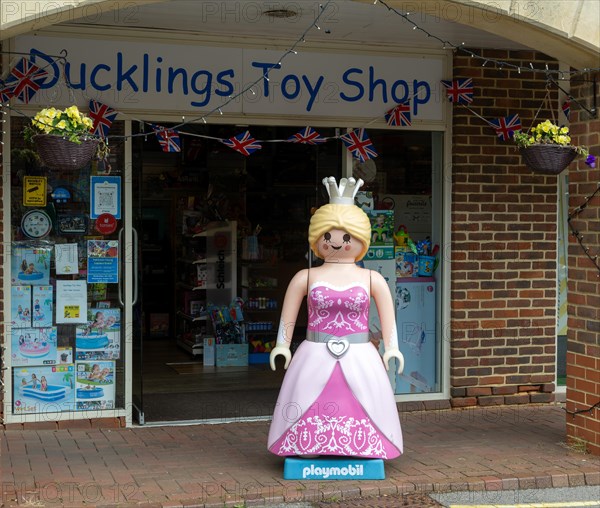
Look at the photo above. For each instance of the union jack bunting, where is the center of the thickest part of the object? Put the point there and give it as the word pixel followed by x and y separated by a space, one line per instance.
pixel 243 143
pixel 308 136
pixel 506 126
pixel 359 144
pixel 25 80
pixel 6 93
pixel 168 139
pixel 399 116
pixel 566 107
pixel 102 116
pixel 459 91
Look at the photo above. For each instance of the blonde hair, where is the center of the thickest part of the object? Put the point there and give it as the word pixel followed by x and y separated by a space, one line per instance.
pixel 349 218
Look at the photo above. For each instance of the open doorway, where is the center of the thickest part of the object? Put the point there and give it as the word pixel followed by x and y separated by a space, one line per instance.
pixel 181 196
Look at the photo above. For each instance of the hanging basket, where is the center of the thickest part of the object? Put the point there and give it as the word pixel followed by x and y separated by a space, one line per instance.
pixel 548 159
pixel 57 152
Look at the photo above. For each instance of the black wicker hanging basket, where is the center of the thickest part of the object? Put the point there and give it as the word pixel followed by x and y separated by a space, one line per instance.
pixel 548 159
pixel 57 152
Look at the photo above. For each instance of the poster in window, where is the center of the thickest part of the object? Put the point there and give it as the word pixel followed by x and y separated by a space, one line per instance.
pixel 42 305
pixel 103 261
pixel 30 265
pixel 105 196
pixel 71 301
pixel 99 338
pixel 20 306
pixel 43 389
pixel 95 385
pixel 34 190
pixel 33 346
pixel 66 258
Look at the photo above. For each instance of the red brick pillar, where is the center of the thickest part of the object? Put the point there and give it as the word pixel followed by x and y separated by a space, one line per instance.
pixel 503 279
pixel 583 346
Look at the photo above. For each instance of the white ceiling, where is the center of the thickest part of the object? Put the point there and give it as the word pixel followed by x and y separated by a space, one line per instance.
pixel 342 21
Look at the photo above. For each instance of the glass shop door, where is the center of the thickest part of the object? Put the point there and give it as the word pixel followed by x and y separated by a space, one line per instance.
pixel 70 282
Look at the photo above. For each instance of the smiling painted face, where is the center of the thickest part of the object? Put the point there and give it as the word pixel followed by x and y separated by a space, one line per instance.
pixel 337 245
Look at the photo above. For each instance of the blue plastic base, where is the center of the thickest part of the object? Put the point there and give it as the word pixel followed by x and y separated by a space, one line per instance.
pixel 338 468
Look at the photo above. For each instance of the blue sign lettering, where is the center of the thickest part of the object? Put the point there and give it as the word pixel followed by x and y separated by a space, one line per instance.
pixel 348 81
pixel 149 75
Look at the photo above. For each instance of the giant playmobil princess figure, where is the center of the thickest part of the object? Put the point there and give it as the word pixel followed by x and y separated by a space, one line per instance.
pixel 336 398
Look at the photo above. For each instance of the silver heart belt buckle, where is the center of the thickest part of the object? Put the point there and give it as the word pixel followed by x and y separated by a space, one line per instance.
pixel 337 347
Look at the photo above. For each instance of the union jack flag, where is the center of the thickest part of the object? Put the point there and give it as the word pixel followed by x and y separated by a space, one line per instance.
pixel 566 107
pixel 399 116
pixel 359 144
pixel 168 139
pixel 459 91
pixel 103 117
pixel 243 143
pixel 6 93
pixel 308 136
pixel 27 79
pixel 506 126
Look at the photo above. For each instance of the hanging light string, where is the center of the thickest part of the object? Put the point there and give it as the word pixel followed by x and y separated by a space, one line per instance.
pixel 573 215
pixel 461 47
pixel 581 411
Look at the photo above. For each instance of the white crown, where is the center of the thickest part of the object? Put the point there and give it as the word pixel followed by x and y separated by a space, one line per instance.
pixel 345 193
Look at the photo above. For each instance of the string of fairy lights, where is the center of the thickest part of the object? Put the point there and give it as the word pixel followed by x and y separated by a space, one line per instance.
pixel 573 215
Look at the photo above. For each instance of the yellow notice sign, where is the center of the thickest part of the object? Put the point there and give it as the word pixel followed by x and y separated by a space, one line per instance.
pixel 71 311
pixel 34 190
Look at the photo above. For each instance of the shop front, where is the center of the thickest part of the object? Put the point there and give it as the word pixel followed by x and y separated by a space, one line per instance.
pixel 215 164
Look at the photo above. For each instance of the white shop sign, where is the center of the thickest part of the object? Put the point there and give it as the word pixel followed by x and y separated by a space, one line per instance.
pixel 181 77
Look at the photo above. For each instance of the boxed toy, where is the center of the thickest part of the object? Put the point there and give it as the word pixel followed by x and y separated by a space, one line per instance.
pixel 382 227
pixel 208 351
pixel 407 263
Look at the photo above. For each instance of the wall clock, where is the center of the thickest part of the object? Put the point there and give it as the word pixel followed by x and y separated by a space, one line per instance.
pixel 36 224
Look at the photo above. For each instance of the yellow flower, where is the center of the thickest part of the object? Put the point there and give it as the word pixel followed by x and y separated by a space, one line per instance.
pixel 70 123
pixel 72 112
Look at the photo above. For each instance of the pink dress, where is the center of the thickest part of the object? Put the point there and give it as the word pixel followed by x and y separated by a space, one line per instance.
pixel 336 398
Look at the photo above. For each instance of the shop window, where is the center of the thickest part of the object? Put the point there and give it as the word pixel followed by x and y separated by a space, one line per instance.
pixel 399 197
pixel 65 333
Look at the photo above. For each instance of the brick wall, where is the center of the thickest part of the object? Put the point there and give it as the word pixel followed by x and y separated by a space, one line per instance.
pixel 503 243
pixel 583 346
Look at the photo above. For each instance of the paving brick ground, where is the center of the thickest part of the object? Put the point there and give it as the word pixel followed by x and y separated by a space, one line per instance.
pixel 513 447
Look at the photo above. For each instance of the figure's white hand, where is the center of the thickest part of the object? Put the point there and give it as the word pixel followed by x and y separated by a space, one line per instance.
pixel 280 350
pixel 394 352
